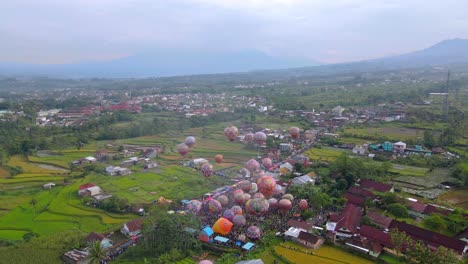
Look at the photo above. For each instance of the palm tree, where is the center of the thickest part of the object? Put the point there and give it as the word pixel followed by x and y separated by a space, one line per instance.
pixel 96 252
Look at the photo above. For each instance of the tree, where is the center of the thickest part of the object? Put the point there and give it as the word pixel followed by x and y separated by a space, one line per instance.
pixel 428 139
pixel 96 252
pixel 389 198
pixel 434 222
pixel 444 255
pixel 398 210
pixel 399 239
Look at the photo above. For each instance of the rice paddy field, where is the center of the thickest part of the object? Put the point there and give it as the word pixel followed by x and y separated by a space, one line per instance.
pixel 391 131
pixel 325 254
pixel 327 154
pixel 457 198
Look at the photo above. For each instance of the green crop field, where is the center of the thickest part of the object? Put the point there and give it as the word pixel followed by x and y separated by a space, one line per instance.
pixel 325 153
pixel 409 170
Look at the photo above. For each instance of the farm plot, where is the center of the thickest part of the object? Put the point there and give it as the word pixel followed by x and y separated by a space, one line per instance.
pixel 384 132
pixel 325 153
pixel 63 158
pixel 429 180
pixel 458 198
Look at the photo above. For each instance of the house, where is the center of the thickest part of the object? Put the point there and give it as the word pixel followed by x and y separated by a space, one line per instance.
pixel 91 159
pixel 112 171
pixel 151 165
pixel 300 159
pixel 310 240
pixel 304 179
pixel 429 238
pixel 415 208
pixel 360 150
pixel 300 225
pixel 101 197
pixel 92 191
pixel 364 246
pixel 101 154
pixel 373 234
pixel 76 256
pixel 387 146
pixel 435 209
pixel 104 241
pixel 399 147
pixel 354 199
pixel 132 228
pixel 463 236
pixel 375 186
pixel 362 192
pixel 286 147
pixel 82 189
pixel 150 153
pixel 48 186
pixel 349 220
pixel 379 220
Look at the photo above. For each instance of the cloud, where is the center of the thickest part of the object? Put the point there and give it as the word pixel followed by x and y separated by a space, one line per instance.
pixel 51 31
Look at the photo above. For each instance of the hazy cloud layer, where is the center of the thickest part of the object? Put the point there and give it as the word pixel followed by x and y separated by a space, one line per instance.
pixel 57 31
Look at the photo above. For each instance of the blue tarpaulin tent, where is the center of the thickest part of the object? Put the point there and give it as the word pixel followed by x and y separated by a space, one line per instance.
pixel 221 239
pixel 248 246
pixel 208 231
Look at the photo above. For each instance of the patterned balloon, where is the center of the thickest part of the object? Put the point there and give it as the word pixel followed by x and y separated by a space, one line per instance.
pixel 239 220
pixel 231 132
pixel 294 132
pixel 246 197
pixel 207 169
pixel 183 149
pixel 238 196
pixel 303 204
pixel 258 195
pixel 193 206
pixel 246 185
pixel 214 206
pixel 260 138
pixel 284 204
pixel 272 202
pixel 237 210
pixel 257 206
pixel 219 158
pixel 190 141
pixel 267 163
pixel 278 190
pixel 228 214
pixel 253 232
pixel 249 137
pixel 288 196
pixel 266 185
pixel 223 200
pixel 252 165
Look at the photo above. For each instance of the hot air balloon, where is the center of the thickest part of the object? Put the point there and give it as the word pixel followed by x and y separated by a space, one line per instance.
pixel 223 200
pixel 214 206
pixel 266 185
pixel 183 149
pixel 253 232
pixel 205 262
pixel 252 165
pixel 254 188
pixel 239 220
pixel 272 202
pixel 222 226
pixel 193 206
pixel 207 169
pixel 267 163
pixel 228 214
pixel 278 190
pixel 241 237
pixel 260 138
pixel 288 196
pixel 246 197
pixel 231 132
pixel 284 205
pixel 244 172
pixel 237 210
pixel 245 185
pixel 249 137
pixel 259 195
pixel 303 204
pixel 294 132
pixel 190 141
pixel 238 196
pixel 219 158
pixel 257 206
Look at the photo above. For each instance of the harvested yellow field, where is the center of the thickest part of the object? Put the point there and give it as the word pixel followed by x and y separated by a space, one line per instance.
pixel 324 255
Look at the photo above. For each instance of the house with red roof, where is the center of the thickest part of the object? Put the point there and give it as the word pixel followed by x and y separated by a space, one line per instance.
pixel 431 239
pixel 104 241
pixel 354 199
pixel 362 192
pixel 434 209
pixel 83 188
pixel 375 186
pixel 415 208
pixel 346 224
pixel 132 228
pixel 379 220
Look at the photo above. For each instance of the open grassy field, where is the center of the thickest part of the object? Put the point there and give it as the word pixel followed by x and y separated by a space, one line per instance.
pixel 326 153
pixel 63 158
pixel 457 198
pixel 430 179
pixel 325 254
pixel 404 170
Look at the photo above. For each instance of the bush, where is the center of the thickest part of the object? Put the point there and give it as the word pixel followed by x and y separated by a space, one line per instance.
pixel 398 210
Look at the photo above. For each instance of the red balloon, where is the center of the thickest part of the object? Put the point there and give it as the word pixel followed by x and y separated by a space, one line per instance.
pixel 267 163
pixel 284 205
pixel 183 149
pixel 231 132
pixel 219 158
pixel 252 165
pixel 294 132
pixel 303 204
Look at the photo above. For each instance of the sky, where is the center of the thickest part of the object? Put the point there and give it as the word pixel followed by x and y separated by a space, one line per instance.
pixel 329 31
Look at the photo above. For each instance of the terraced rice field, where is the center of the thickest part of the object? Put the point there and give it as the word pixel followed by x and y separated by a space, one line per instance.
pixel 324 255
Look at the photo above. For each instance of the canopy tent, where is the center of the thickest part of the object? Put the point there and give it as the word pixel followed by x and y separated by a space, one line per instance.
pixel 221 239
pixel 248 246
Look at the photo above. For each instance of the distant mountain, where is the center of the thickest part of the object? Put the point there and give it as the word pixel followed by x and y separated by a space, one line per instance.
pixel 160 63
